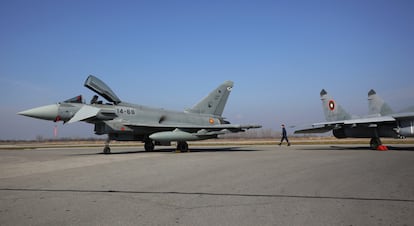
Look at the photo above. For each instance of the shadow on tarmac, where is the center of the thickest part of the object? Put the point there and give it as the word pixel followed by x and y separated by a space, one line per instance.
pixel 362 148
pixel 171 150
pixel 400 148
pixel 206 194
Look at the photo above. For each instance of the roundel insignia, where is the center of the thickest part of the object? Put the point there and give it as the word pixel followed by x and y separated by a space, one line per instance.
pixel 331 105
pixel 211 121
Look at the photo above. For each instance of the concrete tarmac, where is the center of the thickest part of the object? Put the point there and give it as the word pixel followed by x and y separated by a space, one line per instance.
pixel 213 185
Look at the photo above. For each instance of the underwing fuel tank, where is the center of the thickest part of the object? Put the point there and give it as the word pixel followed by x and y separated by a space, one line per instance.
pixel 176 135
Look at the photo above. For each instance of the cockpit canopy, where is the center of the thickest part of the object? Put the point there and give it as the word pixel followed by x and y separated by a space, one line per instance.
pixel 102 89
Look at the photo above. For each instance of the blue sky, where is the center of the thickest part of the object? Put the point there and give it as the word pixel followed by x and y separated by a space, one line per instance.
pixel 170 54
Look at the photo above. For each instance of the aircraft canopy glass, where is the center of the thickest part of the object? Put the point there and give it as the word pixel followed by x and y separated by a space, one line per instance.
pixel 102 89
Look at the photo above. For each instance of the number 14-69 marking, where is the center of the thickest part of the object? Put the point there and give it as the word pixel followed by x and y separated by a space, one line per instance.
pixel 125 111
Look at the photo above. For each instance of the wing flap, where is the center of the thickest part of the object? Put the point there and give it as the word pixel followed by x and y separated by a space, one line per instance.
pixel 316 128
pixel 369 120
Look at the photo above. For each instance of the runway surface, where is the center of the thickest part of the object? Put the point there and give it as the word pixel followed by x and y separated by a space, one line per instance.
pixel 214 185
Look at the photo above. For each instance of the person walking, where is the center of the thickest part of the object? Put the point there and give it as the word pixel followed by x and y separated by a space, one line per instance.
pixel 284 136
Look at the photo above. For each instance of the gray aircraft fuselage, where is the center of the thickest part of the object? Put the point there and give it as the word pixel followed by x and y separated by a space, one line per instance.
pixel 123 121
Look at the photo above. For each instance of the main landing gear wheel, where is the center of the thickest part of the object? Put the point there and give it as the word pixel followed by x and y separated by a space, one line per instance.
pixel 182 146
pixel 375 142
pixel 149 146
pixel 107 150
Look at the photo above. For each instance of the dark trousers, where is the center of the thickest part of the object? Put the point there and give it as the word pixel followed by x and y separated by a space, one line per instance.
pixel 284 138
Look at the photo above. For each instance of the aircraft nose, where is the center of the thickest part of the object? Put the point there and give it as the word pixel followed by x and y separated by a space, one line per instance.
pixel 48 112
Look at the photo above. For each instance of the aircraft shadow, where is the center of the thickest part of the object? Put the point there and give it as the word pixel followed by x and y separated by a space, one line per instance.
pixel 172 150
pixel 400 148
pixel 333 148
pixel 227 149
pixel 362 148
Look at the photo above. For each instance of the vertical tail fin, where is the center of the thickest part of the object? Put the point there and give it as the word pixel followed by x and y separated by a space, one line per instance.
pixel 332 110
pixel 215 102
pixel 376 105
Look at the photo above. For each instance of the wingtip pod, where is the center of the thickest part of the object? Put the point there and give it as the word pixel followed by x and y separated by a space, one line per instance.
pixel 254 126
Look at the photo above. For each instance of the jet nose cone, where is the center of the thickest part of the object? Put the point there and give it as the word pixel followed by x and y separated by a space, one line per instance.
pixel 48 112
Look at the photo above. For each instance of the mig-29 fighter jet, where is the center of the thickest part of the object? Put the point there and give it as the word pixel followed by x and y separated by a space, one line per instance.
pixel 381 121
pixel 130 122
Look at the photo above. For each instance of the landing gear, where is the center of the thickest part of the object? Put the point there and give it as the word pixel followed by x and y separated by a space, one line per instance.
pixel 149 145
pixel 375 142
pixel 107 149
pixel 182 146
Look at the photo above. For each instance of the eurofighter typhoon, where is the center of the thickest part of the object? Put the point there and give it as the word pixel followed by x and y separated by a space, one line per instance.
pixel 123 121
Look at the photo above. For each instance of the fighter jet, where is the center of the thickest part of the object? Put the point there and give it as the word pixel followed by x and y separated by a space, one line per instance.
pixel 381 121
pixel 123 121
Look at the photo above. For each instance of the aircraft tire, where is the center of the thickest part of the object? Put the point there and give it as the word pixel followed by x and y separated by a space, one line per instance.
pixel 107 150
pixel 182 146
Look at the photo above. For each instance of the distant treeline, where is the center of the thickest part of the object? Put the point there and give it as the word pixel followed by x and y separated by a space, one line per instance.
pixel 61 139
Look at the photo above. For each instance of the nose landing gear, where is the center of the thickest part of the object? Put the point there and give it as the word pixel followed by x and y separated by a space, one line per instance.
pixel 375 142
pixel 107 149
